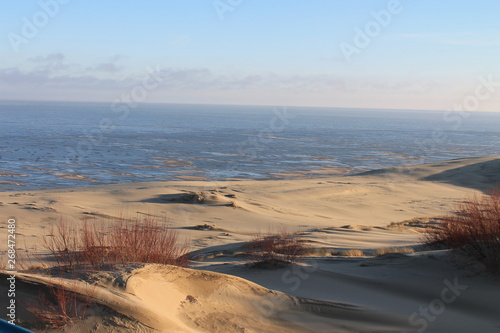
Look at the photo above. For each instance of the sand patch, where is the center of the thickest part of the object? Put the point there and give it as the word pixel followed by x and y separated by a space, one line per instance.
pixel 72 176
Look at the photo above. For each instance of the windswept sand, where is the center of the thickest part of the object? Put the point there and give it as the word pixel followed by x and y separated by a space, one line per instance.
pixel 323 293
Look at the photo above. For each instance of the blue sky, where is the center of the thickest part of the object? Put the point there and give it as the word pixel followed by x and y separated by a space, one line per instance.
pixel 420 54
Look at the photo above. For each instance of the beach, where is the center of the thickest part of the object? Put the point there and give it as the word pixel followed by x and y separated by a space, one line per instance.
pixel 377 213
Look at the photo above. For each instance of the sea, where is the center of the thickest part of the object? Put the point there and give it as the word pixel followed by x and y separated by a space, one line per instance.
pixel 50 145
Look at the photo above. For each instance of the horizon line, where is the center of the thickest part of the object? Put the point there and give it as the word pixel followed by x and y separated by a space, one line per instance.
pixel 255 105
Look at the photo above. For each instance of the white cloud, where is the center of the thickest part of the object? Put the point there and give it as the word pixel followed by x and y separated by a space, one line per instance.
pixel 46 81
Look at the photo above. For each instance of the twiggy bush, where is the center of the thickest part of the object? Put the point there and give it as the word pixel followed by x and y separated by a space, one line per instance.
pixel 59 307
pixel 275 249
pixel 63 242
pixel 474 230
pixel 100 243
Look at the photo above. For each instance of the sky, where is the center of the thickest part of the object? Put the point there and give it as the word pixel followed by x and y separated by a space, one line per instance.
pixel 390 54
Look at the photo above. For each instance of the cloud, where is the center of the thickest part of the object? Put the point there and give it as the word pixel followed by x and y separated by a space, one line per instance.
pixel 107 67
pixel 56 64
pixel 54 71
pixel 200 79
pixel 14 77
pixel 51 58
pixel 36 78
pixel 201 85
pixel 100 82
pixel 53 62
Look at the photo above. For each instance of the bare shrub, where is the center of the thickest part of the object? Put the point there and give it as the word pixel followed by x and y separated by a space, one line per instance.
pixel 143 240
pixel 63 243
pixel 100 243
pixel 473 230
pixel 147 241
pixel 94 248
pixel 59 307
pixel 276 249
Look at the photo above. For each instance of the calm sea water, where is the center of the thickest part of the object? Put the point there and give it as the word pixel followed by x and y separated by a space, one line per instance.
pixel 56 144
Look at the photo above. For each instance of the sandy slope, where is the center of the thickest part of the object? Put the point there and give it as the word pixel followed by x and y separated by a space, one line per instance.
pixel 173 299
pixel 323 294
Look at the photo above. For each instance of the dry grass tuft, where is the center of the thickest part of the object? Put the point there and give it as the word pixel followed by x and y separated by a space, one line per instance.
pixel 318 252
pixel 351 253
pixel 388 250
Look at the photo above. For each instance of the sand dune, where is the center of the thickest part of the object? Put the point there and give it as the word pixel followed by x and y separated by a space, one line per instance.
pixel 477 173
pixel 327 292
pixel 173 299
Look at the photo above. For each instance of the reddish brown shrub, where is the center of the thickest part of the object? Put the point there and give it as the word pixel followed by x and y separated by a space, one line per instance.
pixel 63 243
pixel 474 229
pixel 59 307
pixel 276 249
pixel 143 240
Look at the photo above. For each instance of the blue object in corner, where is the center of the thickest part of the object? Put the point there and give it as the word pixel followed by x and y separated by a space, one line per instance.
pixel 6 327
